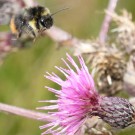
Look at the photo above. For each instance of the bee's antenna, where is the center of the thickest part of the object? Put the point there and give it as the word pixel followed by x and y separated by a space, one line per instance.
pixel 59 11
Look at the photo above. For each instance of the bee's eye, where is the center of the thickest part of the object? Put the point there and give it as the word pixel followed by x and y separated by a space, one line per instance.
pixel 46 22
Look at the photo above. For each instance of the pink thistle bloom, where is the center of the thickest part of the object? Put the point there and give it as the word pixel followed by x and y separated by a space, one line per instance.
pixel 76 99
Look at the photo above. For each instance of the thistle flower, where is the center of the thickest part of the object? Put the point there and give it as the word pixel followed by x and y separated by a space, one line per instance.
pixel 78 101
pixel 75 100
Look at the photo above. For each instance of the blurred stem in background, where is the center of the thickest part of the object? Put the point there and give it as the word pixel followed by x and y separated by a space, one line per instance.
pixel 105 26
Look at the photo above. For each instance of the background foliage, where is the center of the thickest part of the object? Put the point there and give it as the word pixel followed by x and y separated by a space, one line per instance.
pixel 21 75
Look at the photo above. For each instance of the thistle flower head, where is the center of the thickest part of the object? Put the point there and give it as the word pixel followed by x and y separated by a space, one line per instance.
pixel 78 100
pixel 75 100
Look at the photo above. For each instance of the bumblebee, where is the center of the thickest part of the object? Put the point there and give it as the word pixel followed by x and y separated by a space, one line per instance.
pixel 31 21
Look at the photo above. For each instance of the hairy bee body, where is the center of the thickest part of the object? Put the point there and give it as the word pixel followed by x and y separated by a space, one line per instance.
pixel 31 21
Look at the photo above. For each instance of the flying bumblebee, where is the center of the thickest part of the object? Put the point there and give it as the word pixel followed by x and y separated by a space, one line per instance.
pixel 31 21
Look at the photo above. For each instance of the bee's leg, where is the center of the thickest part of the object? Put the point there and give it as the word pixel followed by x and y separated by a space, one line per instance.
pixel 29 30
pixel 34 39
pixel 39 28
pixel 34 35
pixel 37 25
pixel 41 31
pixel 19 34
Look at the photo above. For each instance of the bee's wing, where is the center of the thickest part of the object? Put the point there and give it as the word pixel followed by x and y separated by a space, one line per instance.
pixel 7 10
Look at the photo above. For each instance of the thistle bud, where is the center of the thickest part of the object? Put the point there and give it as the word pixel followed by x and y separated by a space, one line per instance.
pixel 115 111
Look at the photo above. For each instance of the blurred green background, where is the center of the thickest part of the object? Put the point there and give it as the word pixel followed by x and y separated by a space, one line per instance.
pixel 22 73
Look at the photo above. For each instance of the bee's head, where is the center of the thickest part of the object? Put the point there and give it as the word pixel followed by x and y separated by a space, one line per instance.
pixel 46 21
